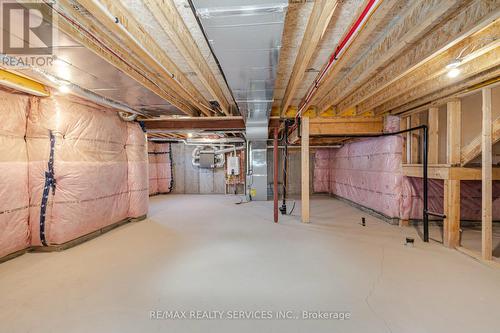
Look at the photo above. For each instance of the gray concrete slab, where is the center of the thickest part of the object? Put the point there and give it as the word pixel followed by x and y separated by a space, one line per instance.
pixel 206 253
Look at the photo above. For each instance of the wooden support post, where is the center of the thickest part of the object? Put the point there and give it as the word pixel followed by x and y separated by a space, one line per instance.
pixel 451 232
pixel 486 143
pixel 408 141
pixel 305 168
pixel 403 126
pixel 454 130
pixel 415 140
pixel 433 135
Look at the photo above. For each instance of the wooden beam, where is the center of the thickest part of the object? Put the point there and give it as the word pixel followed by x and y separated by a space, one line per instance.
pixel 433 123
pixel 469 20
pixel 442 171
pixel 172 23
pixel 413 22
pixel 487 194
pixel 207 123
pixel 145 47
pixel 305 169
pixel 316 26
pixel 451 228
pixel 346 126
pixel 473 149
pixel 454 132
pixel 82 30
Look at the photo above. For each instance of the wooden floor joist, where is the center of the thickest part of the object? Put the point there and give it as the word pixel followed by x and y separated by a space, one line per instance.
pixel 172 23
pixel 414 22
pixel 468 21
pixel 316 25
pixel 141 43
pixel 109 52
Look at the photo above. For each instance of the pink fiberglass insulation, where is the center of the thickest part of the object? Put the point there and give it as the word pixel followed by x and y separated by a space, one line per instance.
pixel 14 198
pixel 321 179
pixel 89 166
pixel 163 170
pixel 367 172
pixel 153 175
pixel 137 158
pixel 470 198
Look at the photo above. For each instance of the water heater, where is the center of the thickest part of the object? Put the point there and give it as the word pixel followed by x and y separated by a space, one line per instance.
pixel 233 165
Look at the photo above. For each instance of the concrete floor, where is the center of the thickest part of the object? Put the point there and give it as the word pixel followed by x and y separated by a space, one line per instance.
pixel 206 253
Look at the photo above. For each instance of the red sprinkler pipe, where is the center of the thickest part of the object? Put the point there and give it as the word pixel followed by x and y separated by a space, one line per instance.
pixel 362 18
pixel 275 169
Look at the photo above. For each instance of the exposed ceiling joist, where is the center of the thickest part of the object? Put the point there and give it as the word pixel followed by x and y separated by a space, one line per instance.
pixel 83 30
pixel 116 18
pixel 480 69
pixel 316 26
pixel 413 23
pixel 469 20
pixel 172 23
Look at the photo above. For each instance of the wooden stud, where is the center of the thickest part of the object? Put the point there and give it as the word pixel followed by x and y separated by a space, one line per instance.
pixel 454 130
pixel 402 126
pixel 486 216
pixel 451 232
pixel 408 141
pixel 415 139
pixel 433 135
pixel 305 169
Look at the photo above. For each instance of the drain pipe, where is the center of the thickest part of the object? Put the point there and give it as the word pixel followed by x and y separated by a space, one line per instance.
pixel 275 171
pixel 341 47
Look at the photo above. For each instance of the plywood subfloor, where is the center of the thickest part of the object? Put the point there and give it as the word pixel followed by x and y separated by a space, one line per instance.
pixel 206 253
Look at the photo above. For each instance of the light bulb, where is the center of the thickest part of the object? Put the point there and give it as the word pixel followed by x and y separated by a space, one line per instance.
pixel 454 72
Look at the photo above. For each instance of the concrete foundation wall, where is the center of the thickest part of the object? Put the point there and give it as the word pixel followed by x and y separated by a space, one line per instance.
pixel 189 179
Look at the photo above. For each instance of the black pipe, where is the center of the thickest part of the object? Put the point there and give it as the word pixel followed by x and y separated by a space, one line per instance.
pixel 285 159
pixel 425 212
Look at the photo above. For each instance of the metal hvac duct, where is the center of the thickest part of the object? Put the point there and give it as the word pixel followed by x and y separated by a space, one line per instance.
pixel 245 37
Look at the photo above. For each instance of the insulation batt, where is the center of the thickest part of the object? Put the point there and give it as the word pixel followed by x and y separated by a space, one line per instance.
pixel 369 172
pixel 160 173
pixel 137 158
pixel 14 198
pixel 163 172
pixel 90 166
pixel 153 174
